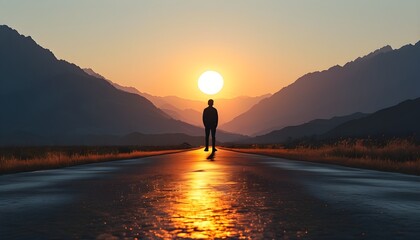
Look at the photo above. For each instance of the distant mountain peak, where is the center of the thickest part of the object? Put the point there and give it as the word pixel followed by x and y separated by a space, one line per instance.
pixel 7 31
pixel 93 73
pixel 7 28
pixel 381 50
pixel 18 47
pixel 384 49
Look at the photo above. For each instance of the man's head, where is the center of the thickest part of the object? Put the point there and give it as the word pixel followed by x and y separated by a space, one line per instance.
pixel 210 102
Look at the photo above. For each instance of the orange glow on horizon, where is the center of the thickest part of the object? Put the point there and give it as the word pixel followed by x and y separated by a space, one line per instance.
pixel 182 70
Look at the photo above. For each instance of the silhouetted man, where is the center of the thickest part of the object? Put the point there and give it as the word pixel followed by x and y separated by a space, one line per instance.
pixel 210 120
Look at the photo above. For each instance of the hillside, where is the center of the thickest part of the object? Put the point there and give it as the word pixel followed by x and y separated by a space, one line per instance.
pixel 376 81
pixel 43 96
pixel 309 129
pixel 400 120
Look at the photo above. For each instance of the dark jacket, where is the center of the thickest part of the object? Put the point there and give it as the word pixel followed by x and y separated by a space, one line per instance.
pixel 210 117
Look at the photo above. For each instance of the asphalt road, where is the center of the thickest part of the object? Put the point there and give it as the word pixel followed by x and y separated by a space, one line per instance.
pixel 186 195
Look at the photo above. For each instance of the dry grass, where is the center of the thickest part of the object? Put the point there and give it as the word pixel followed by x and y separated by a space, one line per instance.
pixel 397 155
pixel 22 159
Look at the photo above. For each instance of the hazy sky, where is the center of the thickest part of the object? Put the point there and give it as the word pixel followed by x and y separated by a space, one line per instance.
pixel 161 47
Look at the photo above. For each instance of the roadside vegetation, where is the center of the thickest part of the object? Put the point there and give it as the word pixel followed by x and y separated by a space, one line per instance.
pixel 21 159
pixel 395 155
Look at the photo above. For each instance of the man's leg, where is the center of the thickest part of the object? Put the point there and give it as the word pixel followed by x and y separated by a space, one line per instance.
pixel 213 139
pixel 207 139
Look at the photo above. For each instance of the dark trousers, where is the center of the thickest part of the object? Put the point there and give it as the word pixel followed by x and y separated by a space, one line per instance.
pixel 213 136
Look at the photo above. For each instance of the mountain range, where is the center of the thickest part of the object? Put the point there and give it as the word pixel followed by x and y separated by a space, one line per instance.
pixel 43 96
pixel 188 110
pixel 191 110
pixel 44 100
pixel 378 80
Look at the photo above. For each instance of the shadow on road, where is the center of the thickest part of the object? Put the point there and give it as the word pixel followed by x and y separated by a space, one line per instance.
pixel 212 156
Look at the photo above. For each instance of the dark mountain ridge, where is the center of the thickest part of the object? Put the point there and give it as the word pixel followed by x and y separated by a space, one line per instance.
pixel 378 80
pixel 400 120
pixel 309 129
pixel 47 97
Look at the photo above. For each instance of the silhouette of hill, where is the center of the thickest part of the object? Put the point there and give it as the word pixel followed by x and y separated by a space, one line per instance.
pixel 190 116
pixel 43 96
pixel 228 108
pixel 188 110
pixel 400 120
pixel 116 85
pixel 309 129
pixel 376 81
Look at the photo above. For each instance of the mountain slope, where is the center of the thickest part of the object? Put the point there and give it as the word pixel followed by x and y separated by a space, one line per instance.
pixel 44 96
pixel 314 127
pixel 190 116
pixel 400 120
pixel 379 80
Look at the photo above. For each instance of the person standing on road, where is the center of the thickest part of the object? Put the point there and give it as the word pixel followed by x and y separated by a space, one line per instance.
pixel 210 120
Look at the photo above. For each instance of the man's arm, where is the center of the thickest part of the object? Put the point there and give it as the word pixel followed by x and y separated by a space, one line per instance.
pixel 217 118
pixel 204 117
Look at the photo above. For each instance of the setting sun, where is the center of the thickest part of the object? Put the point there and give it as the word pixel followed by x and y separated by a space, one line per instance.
pixel 210 82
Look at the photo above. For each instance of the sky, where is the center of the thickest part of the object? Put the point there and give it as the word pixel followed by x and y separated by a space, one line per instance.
pixel 162 47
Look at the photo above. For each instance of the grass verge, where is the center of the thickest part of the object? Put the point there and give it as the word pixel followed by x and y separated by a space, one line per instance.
pixel 23 159
pixel 396 155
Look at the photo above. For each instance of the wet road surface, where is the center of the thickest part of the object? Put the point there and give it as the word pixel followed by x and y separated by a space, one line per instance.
pixel 186 195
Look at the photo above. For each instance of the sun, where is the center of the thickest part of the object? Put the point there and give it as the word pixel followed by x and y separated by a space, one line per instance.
pixel 210 82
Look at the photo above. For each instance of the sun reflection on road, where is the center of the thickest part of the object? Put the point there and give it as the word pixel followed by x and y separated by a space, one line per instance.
pixel 203 210
pixel 200 199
